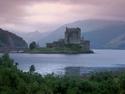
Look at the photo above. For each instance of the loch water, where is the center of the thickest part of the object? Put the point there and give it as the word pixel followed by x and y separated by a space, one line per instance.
pixel 59 63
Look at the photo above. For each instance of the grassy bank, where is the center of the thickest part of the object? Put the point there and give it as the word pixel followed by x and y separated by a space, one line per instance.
pixel 62 50
pixel 14 81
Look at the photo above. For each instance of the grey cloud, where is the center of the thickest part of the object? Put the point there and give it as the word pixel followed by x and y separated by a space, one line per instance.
pixel 12 11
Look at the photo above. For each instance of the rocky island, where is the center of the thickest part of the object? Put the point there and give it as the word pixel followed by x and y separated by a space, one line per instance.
pixel 72 43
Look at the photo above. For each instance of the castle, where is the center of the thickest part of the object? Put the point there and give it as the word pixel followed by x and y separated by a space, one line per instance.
pixel 72 36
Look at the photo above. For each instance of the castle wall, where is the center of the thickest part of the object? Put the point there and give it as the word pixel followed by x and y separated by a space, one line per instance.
pixel 85 44
pixel 72 36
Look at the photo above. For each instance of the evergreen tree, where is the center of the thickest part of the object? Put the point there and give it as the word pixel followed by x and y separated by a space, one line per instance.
pixel 32 69
pixel 33 45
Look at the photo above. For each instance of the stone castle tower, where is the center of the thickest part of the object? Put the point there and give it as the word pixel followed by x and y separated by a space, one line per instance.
pixel 72 36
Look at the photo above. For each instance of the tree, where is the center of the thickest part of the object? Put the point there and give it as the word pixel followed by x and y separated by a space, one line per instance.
pixel 32 69
pixel 16 64
pixel 33 45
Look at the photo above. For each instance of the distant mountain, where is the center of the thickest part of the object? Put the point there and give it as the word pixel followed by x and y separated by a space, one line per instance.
pixel 10 40
pixel 101 38
pixel 101 33
pixel 32 36
pixel 117 43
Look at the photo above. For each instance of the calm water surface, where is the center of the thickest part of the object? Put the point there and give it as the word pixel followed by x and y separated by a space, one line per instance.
pixel 48 63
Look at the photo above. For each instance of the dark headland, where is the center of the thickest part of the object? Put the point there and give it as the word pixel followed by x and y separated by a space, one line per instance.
pixel 10 42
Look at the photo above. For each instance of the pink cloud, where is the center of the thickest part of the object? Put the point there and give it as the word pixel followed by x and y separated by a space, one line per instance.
pixel 14 12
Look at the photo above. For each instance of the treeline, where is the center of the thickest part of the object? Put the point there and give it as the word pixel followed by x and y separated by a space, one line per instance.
pixel 14 81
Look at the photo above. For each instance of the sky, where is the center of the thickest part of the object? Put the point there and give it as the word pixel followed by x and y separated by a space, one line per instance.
pixel 47 15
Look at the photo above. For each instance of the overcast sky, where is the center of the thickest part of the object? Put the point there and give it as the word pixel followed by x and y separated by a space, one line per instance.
pixel 45 15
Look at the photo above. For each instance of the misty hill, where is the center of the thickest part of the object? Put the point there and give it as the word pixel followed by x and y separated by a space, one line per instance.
pixel 117 43
pixel 104 37
pixel 32 36
pixel 101 33
pixel 10 40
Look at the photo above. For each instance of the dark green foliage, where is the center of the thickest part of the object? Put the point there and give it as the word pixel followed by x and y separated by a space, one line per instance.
pixel 33 45
pixel 32 69
pixel 14 81
pixel 74 47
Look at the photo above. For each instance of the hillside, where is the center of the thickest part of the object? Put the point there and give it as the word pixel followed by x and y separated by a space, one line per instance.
pixel 9 40
pixel 118 42
pixel 32 36
pixel 101 33
pixel 101 38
